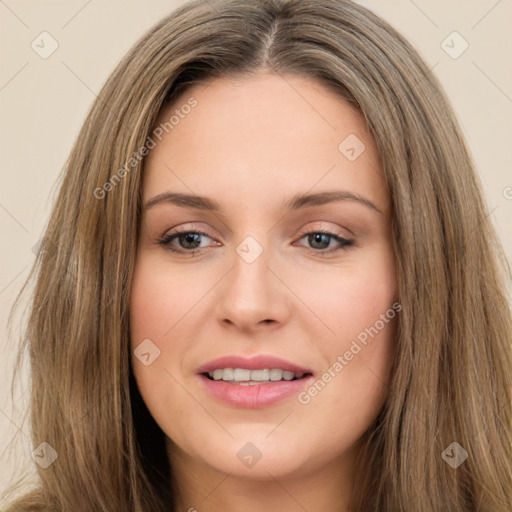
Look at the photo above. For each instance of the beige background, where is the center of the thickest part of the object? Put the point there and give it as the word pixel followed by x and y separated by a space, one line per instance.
pixel 43 103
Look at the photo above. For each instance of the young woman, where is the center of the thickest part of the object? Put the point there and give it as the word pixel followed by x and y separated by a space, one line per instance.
pixel 271 283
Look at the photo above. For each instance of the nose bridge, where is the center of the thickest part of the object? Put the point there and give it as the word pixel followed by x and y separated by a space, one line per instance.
pixel 250 276
pixel 251 292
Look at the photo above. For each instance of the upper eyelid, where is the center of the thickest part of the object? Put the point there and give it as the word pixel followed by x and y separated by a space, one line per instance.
pixel 323 229
pixel 318 224
pixel 305 230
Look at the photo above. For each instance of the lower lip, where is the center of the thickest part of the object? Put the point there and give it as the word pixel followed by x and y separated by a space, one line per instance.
pixel 258 395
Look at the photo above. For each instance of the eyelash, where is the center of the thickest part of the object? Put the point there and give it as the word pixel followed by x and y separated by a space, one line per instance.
pixel 344 243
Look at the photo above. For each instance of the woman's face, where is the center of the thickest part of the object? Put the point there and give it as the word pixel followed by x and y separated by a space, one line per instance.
pixel 265 238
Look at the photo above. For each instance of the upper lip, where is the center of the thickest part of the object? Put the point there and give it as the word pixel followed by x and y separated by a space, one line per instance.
pixel 259 362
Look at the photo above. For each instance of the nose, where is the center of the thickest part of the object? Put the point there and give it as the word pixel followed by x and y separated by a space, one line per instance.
pixel 252 296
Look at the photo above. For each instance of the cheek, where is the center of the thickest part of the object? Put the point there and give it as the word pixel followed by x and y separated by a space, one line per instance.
pixel 157 297
pixel 358 346
pixel 351 389
pixel 351 298
pixel 151 302
pixel 163 309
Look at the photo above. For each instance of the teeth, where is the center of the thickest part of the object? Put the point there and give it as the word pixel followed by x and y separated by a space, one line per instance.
pixel 260 375
pixel 228 374
pixel 276 374
pixel 252 377
pixel 239 374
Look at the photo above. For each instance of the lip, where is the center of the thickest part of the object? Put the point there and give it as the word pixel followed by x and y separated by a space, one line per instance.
pixel 259 362
pixel 259 395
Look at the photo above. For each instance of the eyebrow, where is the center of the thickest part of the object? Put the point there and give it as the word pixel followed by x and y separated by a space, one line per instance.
pixel 294 203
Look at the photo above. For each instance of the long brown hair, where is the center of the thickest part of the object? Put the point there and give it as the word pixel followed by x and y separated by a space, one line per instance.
pixel 452 372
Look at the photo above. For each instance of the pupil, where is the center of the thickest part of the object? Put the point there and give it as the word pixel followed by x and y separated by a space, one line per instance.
pixel 189 238
pixel 317 237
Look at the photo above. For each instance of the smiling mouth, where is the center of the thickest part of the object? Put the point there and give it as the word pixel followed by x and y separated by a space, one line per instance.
pixel 242 376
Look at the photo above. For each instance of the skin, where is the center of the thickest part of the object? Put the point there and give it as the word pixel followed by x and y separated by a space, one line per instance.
pixel 250 144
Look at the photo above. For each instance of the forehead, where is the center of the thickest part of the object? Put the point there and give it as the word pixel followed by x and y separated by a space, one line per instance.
pixel 263 136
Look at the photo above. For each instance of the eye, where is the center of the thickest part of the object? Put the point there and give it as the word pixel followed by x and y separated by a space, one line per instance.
pixel 321 239
pixel 189 241
pixel 184 241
